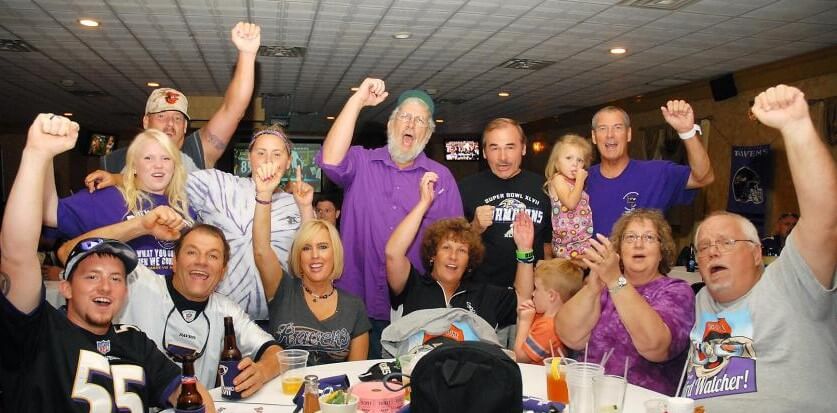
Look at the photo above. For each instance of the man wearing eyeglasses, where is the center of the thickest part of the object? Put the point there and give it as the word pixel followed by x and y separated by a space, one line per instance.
pixel 620 184
pixel 77 361
pixel 380 190
pixel 764 338
pixel 183 314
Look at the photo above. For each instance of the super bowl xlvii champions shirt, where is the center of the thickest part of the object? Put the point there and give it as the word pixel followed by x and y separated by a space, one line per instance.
pixel 522 192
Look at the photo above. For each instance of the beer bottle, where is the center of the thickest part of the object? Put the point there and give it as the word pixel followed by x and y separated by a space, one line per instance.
pixel 311 398
pixel 691 264
pixel 228 365
pixel 189 399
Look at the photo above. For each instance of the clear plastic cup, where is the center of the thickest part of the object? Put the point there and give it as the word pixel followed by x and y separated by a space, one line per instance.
pixel 656 406
pixel 609 393
pixel 556 384
pixel 580 384
pixel 292 365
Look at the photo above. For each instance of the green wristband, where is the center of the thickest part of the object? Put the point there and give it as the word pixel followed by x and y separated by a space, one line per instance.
pixel 526 257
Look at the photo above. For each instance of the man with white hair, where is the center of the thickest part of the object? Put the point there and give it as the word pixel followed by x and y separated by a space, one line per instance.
pixel 380 189
pixel 761 332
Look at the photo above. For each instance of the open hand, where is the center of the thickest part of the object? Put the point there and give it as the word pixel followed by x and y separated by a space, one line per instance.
pixel 602 259
pixel 524 231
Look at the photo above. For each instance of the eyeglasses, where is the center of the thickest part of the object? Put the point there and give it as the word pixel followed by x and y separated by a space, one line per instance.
pixel 724 246
pixel 88 244
pixel 407 117
pixel 631 238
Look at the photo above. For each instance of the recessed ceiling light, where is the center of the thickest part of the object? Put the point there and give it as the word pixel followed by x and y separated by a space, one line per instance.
pixel 152 84
pixel 618 50
pixel 88 22
pixel 330 117
pixel 355 89
pixel 504 94
pixel 68 114
pixel 440 121
pixel 402 35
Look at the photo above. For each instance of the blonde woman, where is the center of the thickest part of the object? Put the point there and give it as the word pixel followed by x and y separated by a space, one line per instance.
pixel 306 310
pixel 153 176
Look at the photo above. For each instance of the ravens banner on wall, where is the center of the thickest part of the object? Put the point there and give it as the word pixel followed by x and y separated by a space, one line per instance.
pixel 750 176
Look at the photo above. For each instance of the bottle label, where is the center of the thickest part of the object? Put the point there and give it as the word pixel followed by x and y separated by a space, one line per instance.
pixel 227 371
pixel 200 409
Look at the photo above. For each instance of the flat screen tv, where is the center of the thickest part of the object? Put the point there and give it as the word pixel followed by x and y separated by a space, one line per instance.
pixel 302 155
pixel 462 149
pixel 100 144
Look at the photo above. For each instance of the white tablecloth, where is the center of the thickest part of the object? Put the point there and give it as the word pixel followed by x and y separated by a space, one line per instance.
pixel 270 398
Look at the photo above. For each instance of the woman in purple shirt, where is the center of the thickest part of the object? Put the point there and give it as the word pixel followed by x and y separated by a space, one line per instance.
pixel 643 315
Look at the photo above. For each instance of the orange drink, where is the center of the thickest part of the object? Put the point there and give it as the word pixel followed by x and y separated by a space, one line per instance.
pixel 556 382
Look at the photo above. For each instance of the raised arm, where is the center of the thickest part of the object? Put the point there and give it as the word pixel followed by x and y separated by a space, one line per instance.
pixel 814 176
pixel 162 223
pixel 398 265
pixel 266 178
pixel 20 271
pixel 303 194
pixel 216 134
pixel 370 93
pixel 679 114
pixel 524 238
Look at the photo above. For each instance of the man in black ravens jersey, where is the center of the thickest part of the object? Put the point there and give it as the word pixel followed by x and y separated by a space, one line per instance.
pixel 78 361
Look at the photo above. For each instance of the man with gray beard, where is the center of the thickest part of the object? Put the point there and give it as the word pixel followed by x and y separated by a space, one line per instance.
pixel 380 189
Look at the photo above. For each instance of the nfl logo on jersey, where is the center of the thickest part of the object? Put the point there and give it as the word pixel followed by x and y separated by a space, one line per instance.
pixel 103 346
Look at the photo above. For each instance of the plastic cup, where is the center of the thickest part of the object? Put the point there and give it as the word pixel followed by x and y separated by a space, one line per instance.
pixel 609 393
pixel 681 405
pixel 292 365
pixel 556 381
pixel 656 406
pixel 580 384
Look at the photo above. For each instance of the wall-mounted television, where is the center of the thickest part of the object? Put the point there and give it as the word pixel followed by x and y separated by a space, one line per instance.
pixel 462 149
pixel 303 155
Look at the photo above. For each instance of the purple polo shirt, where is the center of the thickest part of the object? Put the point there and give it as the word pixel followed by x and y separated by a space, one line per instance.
pixel 643 184
pixel 377 197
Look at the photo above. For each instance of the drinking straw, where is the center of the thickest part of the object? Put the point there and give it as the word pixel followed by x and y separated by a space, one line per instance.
pixel 607 356
pixel 561 353
pixel 551 350
pixel 626 370
pixel 683 374
pixel 585 351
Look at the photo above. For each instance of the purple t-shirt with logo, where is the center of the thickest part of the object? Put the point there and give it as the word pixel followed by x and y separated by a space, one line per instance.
pixel 674 301
pixel 643 184
pixel 83 212
pixel 378 195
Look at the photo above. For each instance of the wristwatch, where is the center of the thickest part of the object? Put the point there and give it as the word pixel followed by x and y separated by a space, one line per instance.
pixel 621 282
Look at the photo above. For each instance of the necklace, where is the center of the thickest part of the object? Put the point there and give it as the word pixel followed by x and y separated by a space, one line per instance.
pixel 320 297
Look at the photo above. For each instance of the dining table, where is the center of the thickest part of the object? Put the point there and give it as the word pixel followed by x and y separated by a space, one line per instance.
pixel 270 399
